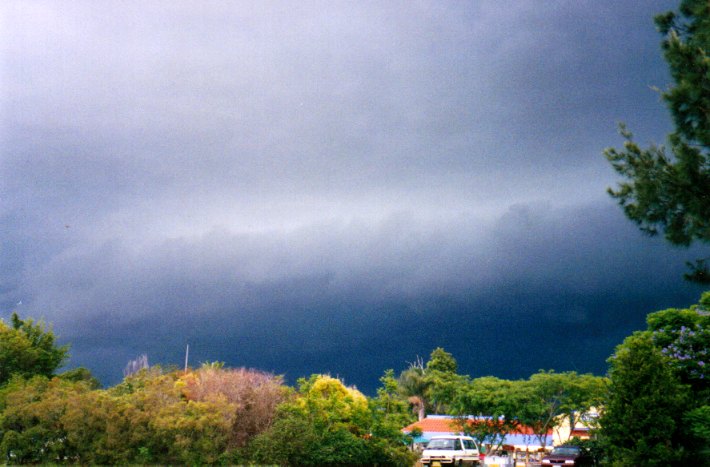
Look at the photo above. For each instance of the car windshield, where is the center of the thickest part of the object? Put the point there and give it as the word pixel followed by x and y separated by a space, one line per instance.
pixel 566 451
pixel 442 444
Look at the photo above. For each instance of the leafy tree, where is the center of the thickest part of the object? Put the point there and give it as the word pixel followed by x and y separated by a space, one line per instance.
pixel 661 371
pixel 547 398
pixel 151 420
pixel 697 422
pixel 388 407
pixel 683 335
pixel 289 440
pixel 640 423
pixel 151 417
pixel 669 190
pixel 441 360
pixel 101 430
pixel 31 425
pixel 414 385
pixel 431 386
pixel 327 423
pixel 327 399
pixel 27 348
pixel 389 413
pixel 542 401
pixel 494 401
pixel 443 380
pixel 585 392
pixel 81 374
pixel 254 394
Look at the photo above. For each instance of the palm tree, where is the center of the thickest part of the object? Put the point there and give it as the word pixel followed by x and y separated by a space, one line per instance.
pixel 414 385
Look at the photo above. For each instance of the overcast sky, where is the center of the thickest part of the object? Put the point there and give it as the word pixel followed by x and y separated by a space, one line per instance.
pixel 329 186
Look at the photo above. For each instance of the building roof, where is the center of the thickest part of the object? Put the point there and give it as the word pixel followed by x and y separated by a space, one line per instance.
pixel 434 425
pixel 450 424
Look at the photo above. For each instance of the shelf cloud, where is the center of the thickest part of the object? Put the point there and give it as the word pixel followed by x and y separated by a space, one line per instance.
pixel 329 186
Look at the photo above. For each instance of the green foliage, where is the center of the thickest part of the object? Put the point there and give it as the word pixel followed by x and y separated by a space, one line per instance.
pixel 431 386
pixel 414 386
pixel 254 395
pixel 152 417
pixel 31 425
pixel 547 398
pixel 697 422
pixel 492 397
pixel 217 415
pixel 327 423
pixel 389 409
pixel 210 415
pixel 593 446
pixel 443 381
pixel 27 348
pixel 212 365
pixel 659 388
pixel 81 374
pixel 441 360
pixel 684 337
pixel 640 424
pixel 443 388
pixel 542 403
pixel 671 193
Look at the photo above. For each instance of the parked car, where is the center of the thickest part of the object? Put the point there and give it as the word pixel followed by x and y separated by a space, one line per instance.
pixel 568 456
pixel 451 450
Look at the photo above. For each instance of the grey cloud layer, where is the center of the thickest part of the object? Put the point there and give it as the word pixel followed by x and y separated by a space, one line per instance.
pixel 320 290
pixel 168 119
pixel 348 97
pixel 275 171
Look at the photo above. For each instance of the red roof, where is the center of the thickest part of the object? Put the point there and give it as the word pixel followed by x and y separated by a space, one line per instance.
pixel 437 425
pixel 450 425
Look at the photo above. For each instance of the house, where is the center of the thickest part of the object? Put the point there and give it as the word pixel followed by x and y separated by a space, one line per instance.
pixel 522 440
pixel 581 429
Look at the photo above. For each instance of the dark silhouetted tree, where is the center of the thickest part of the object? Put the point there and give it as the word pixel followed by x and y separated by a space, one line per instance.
pixel 640 423
pixel 657 411
pixel 668 189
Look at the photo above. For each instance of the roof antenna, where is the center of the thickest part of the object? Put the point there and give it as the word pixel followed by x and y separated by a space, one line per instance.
pixel 187 352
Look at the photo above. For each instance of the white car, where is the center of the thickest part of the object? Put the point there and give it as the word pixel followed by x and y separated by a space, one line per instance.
pixel 451 450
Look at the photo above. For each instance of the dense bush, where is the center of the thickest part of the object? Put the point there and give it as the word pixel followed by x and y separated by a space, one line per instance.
pixel 658 406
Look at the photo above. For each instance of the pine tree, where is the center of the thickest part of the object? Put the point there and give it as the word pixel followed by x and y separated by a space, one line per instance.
pixel 668 189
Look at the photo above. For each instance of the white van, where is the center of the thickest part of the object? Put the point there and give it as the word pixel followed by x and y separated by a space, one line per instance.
pixel 451 450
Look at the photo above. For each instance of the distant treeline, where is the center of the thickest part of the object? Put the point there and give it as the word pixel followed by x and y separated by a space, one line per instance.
pixel 654 406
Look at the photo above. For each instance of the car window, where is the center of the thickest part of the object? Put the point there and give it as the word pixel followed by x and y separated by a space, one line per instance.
pixel 566 451
pixel 441 444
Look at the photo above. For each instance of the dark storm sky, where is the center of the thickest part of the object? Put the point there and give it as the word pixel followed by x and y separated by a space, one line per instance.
pixel 329 186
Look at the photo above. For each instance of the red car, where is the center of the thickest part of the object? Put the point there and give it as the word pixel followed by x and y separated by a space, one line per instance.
pixel 568 456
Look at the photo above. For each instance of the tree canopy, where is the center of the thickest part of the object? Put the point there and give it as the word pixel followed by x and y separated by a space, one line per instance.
pixel 430 386
pixel 328 423
pixel 28 348
pixel 640 423
pixel 655 406
pixel 541 403
pixel 658 407
pixel 668 189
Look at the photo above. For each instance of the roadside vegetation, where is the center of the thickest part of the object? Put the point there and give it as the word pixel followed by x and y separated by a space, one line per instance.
pixel 653 406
